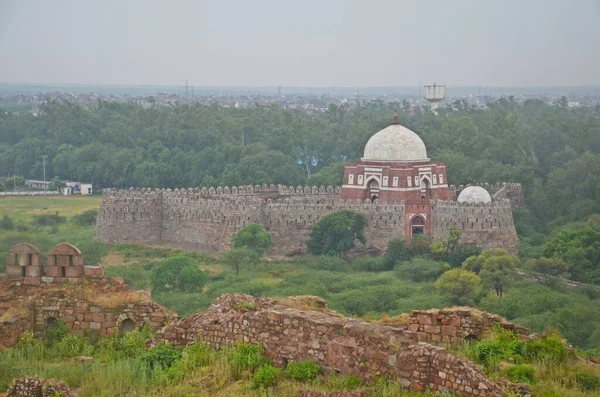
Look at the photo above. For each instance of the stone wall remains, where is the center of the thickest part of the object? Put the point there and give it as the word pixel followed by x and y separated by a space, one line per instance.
pixel 207 219
pixel 292 330
pixel 98 306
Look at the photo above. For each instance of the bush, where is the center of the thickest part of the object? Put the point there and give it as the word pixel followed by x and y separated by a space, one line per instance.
pixel 71 346
pixel 87 218
pixel 420 269
pixel 253 236
pixel 195 356
pixel 504 345
pixel 587 382
pixel 371 264
pixel 49 219
pixel 247 357
pixel 56 333
pixel 521 373
pixel 303 370
pixel 7 223
pixel 547 348
pixel 178 273
pixel 329 262
pixel 460 286
pixel 161 356
pixel 396 251
pixel 266 376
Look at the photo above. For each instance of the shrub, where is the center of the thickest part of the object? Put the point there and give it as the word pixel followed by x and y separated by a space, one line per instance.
pixel 194 356
pixel 504 345
pixel 396 251
pixel 71 346
pixel 266 376
pixel 587 382
pixel 459 285
pixel 371 264
pixel 253 236
pixel 7 223
pixel 161 356
pixel 420 269
pixel 178 273
pixel 547 348
pixel 87 218
pixel 49 219
pixel 56 333
pixel 521 373
pixel 247 357
pixel 335 234
pixel 329 262
pixel 303 370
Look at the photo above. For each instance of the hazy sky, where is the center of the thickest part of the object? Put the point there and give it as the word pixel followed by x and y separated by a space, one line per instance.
pixel 301 43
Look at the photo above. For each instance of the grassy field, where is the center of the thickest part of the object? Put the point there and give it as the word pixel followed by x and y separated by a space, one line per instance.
pixel 23 208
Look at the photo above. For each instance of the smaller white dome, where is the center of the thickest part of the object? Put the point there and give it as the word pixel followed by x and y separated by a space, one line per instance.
pixel 474 194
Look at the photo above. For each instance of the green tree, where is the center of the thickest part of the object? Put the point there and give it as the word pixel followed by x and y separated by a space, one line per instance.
pixel 460 286
pixel 498 272
pixel 178 273
pixel 335 234
pixel 548 271
pixel 496 267
pixel 241 257
pixel 580 249
pixel 253 236
pixel 396 251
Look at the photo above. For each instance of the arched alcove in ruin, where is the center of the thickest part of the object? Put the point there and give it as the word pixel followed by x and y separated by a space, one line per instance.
pixel 24 260
pixel 64 261
pixel 50 323
pixel 417 225
pixel 126 326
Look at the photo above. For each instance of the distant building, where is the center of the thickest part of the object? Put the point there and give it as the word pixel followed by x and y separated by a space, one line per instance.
pixel 72 188
pixel 35 184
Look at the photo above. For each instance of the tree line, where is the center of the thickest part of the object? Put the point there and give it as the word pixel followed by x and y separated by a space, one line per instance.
pixel 554 151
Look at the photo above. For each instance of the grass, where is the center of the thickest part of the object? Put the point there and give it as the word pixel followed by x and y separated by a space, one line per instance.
pixel 199 370
pixel 23 208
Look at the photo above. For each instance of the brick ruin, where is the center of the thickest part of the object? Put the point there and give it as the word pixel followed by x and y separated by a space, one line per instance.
pixel 34 296
pixel 290 329
pixel 206 219
pixel 299 328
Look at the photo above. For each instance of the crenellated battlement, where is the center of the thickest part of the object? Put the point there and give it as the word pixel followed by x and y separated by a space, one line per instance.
pixel 206 218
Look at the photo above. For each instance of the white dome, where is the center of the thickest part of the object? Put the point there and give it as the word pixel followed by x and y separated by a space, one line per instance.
pixel 395 143
pixel 474 194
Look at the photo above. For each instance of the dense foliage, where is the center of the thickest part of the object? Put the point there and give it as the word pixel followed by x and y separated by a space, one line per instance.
pixel 551 149
pixel 335 233
pixel 253 236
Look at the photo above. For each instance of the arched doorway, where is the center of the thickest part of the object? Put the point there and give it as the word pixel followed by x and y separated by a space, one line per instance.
pixel 373 189
pixel 417 226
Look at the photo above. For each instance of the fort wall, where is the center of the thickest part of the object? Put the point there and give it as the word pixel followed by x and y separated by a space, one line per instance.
pixel 207 218
pixel 485 225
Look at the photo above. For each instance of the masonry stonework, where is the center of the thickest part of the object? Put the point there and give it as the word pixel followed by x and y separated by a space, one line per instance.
pixel 85 300
pixel 207 219
pixel 296 329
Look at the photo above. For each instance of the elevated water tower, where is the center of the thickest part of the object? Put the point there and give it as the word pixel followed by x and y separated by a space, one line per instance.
pixel 434 94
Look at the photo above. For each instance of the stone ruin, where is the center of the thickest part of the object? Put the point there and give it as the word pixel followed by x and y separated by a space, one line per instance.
pixel 34 296
pixel 33 386
pixel 294 329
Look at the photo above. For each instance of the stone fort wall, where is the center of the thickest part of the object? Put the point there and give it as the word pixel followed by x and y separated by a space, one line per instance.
pixel 206 219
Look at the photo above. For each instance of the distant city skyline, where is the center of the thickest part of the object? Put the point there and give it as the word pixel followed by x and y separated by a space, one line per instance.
pixel 267 43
